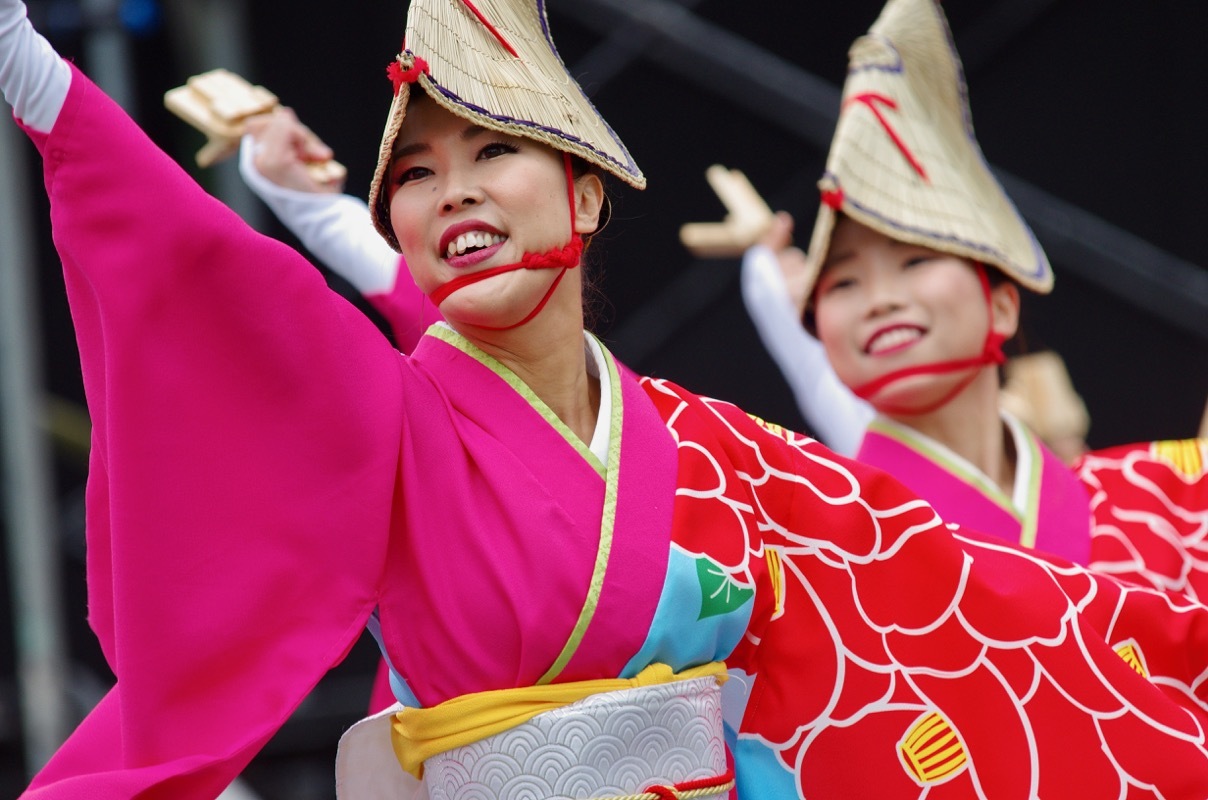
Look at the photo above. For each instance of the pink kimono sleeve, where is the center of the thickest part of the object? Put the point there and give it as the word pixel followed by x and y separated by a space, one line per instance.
pixel 406 308
pixel 245 451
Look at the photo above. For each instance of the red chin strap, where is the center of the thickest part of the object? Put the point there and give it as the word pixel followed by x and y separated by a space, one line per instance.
pixel 991 354
pixel 560 258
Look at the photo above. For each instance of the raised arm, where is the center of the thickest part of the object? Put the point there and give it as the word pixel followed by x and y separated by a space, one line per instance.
pixel 33 77
pixel 836 415
pixel 244 450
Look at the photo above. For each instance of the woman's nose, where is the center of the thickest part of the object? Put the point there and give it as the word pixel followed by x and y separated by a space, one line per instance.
pixel 884 295
pixel 461 191
pixel 452 203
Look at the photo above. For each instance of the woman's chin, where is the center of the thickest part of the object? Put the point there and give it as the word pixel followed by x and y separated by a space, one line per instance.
pixel 918 394
pixel 496 302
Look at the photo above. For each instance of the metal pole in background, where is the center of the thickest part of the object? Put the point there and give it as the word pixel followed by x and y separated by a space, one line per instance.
pixel 107 52
pixel 209 34
pixel 32 541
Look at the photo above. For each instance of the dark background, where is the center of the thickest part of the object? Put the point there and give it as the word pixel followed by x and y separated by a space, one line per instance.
pixel 1099 105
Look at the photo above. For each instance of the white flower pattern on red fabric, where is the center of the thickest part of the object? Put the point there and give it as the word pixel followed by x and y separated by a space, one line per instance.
pixel 1023 668
pixel 1149 513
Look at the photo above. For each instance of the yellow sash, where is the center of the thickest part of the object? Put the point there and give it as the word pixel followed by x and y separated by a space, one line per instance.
pixel 420 733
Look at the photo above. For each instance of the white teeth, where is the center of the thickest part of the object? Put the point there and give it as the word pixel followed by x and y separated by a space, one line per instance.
pixel 475 239
pixel 892 339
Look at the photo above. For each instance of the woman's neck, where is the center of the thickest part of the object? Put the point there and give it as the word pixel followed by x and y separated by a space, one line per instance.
pixel 970 426
pixel 548 353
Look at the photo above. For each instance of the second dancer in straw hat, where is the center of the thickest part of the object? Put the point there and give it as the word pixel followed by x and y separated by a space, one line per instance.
pixel 555 554
pixel 913 282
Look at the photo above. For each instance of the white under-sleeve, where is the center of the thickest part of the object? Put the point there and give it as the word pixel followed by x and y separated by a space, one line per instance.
pixel 833 413
pixel 33 78
pixel 336 228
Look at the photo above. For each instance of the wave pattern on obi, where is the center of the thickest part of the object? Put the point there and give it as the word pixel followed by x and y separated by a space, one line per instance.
pixel 609 745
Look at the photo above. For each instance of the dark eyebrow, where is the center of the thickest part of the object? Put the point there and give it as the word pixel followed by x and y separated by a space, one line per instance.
pixel 470 132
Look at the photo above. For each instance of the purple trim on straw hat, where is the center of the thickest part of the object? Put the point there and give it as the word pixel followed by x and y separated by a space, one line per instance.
pixel 630 166
pixel 1037 271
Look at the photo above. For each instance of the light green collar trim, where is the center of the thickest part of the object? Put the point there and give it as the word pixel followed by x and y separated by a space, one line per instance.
pixel 452 337
pixel 611 476
pixel 951 462
pixel 607 525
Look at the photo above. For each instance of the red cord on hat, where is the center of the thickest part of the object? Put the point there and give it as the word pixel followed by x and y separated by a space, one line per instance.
pixel 870 99
pixel 991 354
pixel 398 76
pixel 487 24
pixel 833 198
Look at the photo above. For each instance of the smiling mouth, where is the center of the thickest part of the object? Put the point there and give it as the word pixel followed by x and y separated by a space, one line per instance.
pixel 893 340
pixel 472 242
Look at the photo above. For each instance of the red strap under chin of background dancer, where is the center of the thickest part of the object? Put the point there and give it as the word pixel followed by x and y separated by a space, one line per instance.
pixel 991 353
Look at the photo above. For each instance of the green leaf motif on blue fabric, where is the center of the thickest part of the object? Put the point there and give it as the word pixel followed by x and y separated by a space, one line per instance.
pixel 719 593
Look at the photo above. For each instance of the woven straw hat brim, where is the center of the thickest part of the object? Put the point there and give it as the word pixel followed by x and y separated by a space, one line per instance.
pixel 932 186
pixel 528 93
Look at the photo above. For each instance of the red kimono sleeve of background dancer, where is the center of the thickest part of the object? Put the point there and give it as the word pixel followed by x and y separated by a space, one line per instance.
pixel 1149 513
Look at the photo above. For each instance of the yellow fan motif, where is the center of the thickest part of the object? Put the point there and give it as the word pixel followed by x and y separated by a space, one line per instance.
pixel 776 575
pixel 1185 456
pixel 1133 657
pixel 774 429
pixel 931 751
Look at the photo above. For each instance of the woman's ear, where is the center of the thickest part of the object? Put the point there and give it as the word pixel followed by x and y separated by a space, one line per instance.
pixel 1004 304
pixel 589 200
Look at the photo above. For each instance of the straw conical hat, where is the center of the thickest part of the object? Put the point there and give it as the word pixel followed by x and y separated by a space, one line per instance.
pixel 494 63
pixel 904 160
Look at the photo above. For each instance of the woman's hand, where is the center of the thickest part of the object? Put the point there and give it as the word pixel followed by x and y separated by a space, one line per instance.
pixel 779 239
pixel 286 151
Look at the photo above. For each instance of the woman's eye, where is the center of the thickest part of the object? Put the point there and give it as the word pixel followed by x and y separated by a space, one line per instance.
pixel 412 174
pixel 496 149
pixel 836 284
pixel 915 261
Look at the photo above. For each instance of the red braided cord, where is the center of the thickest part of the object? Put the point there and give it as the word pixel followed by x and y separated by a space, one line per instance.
pixel 706 783
pixel 869 99
pixel 833 198
pixel 398 76
pixel 674 792
pixel 487 24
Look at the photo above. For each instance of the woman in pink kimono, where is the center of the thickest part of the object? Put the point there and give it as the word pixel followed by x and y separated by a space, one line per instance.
pixel 557 556
pixel 912 283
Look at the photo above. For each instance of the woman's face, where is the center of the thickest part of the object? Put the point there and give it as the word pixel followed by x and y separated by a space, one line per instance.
pixel 882 305
pixel 464 199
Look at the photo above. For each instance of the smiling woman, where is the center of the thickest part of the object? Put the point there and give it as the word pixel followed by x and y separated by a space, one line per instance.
pixel 912 284
pixel 558 558
pixel 912 329
pixel 490 200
